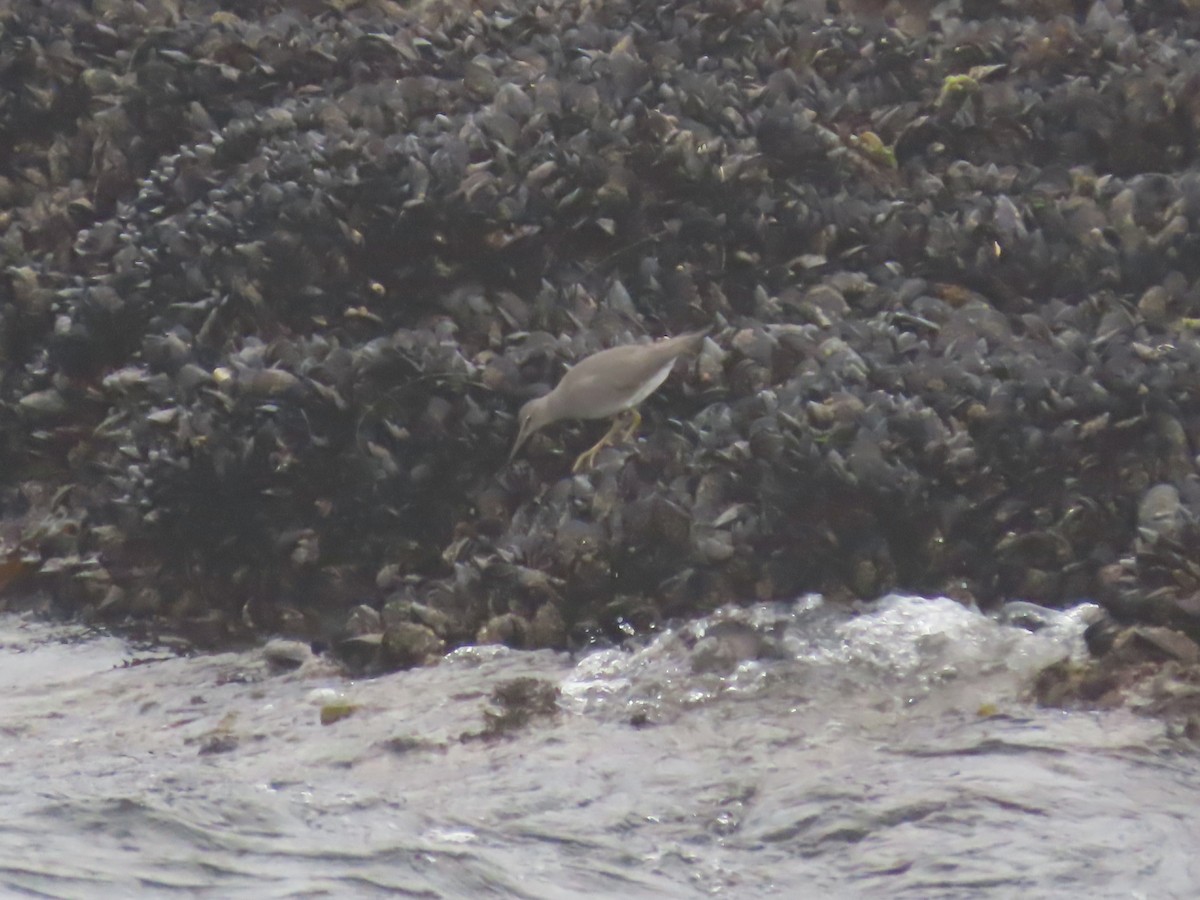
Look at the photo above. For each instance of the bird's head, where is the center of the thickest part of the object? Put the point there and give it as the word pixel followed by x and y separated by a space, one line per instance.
pixel 533 416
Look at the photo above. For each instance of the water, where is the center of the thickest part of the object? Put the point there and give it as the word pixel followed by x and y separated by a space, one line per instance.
pixel 774 752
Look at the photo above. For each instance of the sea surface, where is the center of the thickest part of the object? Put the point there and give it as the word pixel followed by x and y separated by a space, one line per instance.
pixel 793 750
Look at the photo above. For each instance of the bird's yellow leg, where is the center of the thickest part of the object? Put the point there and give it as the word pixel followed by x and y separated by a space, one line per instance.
pixel 588 457
pixel 635 422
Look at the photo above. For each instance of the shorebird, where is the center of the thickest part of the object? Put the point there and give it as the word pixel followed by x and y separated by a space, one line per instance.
pixel 606 384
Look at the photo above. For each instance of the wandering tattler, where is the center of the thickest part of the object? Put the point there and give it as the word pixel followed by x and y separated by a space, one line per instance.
pixel 606 384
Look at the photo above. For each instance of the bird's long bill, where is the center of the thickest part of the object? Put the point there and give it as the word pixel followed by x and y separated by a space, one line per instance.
pixel 522 437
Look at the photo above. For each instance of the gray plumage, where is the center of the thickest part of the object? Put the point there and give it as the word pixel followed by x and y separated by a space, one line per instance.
pixel 605 384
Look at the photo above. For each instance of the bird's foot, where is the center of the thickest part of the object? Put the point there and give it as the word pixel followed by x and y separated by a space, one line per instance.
pixel 588 458
pixel 614 435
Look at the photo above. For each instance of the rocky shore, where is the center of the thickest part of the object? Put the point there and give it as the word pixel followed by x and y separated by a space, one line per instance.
pixel 276 278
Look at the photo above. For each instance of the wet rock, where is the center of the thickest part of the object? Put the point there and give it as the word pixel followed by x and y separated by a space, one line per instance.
pixel 1161 516
pixel 1065 684
pixel 406 645
pixel 1149 669
pixel 509 629
pixel 336 711
pixel 548 628
pixel 363 620
pixel 518 702
pixel 363 653
pixel 728 644
pixel 43 404
pixel 286 656
pixel 1155 645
